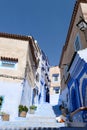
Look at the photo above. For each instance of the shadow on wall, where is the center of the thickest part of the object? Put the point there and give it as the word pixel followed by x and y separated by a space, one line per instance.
pixel 56 110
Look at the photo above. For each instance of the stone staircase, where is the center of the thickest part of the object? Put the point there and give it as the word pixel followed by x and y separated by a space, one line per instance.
pixel 29 124
pixel 43 118
pixel 54 99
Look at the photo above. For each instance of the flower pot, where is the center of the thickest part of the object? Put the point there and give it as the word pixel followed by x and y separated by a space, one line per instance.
pixel 22 114
pixel 5 117
pixel 32 111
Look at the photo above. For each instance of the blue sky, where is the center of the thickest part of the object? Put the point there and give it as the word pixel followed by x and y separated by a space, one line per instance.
pixel 46 20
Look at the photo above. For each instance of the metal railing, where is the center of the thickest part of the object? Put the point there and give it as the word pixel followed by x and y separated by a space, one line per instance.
pixel 78 110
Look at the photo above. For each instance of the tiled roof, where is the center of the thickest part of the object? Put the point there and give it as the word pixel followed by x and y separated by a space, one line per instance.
pixel 15 36
pixel 71 26
pixel 9 59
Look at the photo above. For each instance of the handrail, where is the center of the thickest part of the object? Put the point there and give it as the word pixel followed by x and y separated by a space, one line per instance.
pixel 78 110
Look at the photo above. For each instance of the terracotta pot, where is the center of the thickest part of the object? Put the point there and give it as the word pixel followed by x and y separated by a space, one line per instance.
pixel 5 117
pixel 22 114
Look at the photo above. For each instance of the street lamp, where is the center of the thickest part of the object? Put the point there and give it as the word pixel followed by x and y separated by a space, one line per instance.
pixel 82 24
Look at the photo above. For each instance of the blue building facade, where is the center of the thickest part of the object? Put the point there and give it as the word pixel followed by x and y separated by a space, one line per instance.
pixel 77 87
pixel 77 83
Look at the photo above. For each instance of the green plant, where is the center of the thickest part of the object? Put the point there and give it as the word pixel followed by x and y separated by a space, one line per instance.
pixel 33 107
pixel 2 113
pixel 23 108
pixel 1 100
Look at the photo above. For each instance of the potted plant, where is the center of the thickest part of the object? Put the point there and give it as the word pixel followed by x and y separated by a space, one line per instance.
pixel 22 111
pixel 4 116
pixel 1 101
pixel 32 109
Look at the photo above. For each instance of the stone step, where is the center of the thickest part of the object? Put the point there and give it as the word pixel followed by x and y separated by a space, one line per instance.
pixel 73 128
pixel 44 128
pixel 76 124
pixel 37 119
pixel 45 110
pixel 43 118
pixel 27 124
pixel 30 128
pixel 54 99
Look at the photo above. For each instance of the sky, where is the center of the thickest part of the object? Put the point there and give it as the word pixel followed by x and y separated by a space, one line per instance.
pixel 46 20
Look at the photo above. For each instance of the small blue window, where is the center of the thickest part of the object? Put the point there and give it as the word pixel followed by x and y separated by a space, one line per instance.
pixel 56 89
pixel 8 62
pixel 77 43
pixel 55 77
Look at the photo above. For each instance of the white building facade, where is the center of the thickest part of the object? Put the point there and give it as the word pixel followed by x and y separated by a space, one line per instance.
pixel 21 60
pixel 16 73
pixel 42 79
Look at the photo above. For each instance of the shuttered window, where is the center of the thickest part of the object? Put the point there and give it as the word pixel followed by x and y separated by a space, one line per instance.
pixel 77 43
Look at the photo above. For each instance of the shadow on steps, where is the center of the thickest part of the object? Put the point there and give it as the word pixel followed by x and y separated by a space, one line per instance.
pixel 56 110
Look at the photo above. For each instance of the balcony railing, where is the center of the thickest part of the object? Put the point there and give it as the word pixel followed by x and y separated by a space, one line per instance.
pixel 78 118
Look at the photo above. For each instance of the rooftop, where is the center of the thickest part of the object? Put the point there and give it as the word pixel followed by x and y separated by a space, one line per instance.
pixel 71 26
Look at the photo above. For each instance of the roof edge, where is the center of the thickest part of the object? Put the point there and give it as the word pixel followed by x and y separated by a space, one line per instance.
pixel 15 36
pixel 71 26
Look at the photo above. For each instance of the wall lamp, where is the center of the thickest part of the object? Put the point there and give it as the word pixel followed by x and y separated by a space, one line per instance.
pixel 82 24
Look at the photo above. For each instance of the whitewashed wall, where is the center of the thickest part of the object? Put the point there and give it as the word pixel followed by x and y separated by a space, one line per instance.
pixel 26 94
pixel 12 96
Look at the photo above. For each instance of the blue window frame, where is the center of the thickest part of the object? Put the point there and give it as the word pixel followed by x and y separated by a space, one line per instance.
pixel 8 64
pixel 77 43
pixel 55 77
pixel 56 89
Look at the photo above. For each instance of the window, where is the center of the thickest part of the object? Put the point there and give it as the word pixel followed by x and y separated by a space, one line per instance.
pixel 43 56
pixel 77 43
pixel 9 63
pixel 55 77
pixel 66 72
pixel 56 89
pixel 37 77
